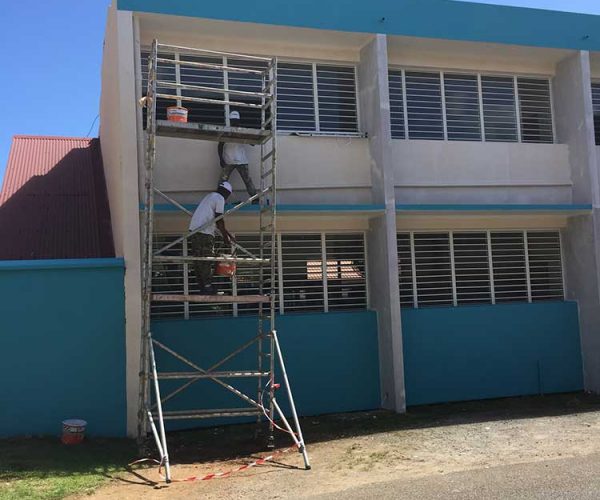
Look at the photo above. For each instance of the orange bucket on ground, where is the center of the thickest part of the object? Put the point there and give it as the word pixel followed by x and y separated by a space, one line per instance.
pixel 225 268
pixel 177 114
pixel 73 431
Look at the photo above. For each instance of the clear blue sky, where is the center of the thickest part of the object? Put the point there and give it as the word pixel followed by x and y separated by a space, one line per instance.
pixel 51 53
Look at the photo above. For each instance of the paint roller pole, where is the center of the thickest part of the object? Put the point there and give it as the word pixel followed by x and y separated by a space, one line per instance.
pixel 302 448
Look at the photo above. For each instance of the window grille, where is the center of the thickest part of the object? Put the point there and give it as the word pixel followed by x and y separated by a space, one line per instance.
pixel 397 104
pixel 321 272
pixel 295 97
pixel 596 105
pixel 405 268
pixel 433 268
pixel 545 265
pixel 312 98
pixel 346 272
pixel 536 110
pixel 336 88
pixel 471 107
pixel 499 108
pixel 509 263
pixel 424 105
pixel 472 268
pixel 479 267
pixel 462 107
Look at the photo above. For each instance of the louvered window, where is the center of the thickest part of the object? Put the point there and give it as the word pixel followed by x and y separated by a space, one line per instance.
pixel 462 107
pixel 295 97
pixel 596 105
pixel 499 109
pixel 479 267
pixel 433 268
pixel 397 104
pixel 311 98
pixel 470 107
pixel 320 273
pixel 536 110
pixel 317 98
pixel 424 105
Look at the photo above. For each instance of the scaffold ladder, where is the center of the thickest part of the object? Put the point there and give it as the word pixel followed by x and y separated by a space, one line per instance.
pixel 152 411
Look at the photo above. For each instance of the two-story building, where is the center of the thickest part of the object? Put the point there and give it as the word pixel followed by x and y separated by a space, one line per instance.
pixel 438 227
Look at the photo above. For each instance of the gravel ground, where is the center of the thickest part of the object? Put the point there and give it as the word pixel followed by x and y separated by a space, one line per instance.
pixel 360 453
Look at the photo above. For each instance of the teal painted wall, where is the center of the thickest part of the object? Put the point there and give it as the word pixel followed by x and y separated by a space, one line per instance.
pixel 442 19
pixel 62 346
pixel 332 360
pixel 479 352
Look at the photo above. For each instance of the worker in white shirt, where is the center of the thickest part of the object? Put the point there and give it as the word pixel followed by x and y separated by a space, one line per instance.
pixel 203 242
pixel 233 157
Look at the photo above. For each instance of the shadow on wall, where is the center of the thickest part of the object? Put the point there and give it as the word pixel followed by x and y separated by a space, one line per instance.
pixel 62 214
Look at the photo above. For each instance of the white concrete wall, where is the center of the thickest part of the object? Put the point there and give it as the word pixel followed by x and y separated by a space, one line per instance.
pixel 310 169
pixel 118 138
pixel 110 136
pixel 480 172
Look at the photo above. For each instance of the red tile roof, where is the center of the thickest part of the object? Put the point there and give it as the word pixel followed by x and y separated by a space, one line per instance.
pixel 53 203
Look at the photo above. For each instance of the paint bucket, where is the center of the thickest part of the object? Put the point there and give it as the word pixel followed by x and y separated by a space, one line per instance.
pixel 225 268
pixel 177 114
pixel 73 431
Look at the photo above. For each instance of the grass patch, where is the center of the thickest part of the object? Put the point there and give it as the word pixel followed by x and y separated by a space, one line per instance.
pixel 44 469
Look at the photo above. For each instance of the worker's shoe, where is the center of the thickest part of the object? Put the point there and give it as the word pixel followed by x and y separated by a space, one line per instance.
pixel 209 290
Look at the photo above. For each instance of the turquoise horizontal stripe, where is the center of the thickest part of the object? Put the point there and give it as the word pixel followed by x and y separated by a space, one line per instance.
pixel 283 208
pixel 441 19
pixel 493 208
pixel 19 265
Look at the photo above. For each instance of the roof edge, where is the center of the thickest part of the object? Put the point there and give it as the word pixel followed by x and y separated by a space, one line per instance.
pixel 453 20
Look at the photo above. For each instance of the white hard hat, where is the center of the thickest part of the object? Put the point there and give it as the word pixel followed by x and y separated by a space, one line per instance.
pixel 227 186
pixel 234 115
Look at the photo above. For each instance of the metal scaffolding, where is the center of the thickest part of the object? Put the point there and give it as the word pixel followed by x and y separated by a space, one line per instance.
pixel 152 413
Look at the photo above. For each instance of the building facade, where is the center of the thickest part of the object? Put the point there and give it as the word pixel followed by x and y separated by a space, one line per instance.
pixel 439 193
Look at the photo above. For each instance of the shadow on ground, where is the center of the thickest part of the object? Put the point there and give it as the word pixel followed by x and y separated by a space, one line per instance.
pixel 237 441
pixel 41 458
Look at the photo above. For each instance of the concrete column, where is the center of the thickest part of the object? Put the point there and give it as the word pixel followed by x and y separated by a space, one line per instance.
pixel 581 240
pixel 118 138
pixel 383 255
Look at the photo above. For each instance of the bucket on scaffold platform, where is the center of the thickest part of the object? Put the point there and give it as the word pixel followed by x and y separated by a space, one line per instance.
pixel 225 268
pixel 177 114
pixel 73 431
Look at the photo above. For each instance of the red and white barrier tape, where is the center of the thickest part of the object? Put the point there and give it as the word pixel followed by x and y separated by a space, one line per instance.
pixel 214 475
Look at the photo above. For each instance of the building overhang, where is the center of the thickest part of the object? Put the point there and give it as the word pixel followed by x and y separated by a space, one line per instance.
pixel 495 209
pixel 439 19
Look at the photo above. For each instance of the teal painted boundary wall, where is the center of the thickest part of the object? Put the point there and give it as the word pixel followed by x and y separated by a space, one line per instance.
pixel 332 361
pixel 479 352
pixel 442 19
pixel 62 346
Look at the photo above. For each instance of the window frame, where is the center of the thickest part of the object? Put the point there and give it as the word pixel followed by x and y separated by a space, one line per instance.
pixel 188 312
pixel 493 300
pixel 479 75
pixel 314 63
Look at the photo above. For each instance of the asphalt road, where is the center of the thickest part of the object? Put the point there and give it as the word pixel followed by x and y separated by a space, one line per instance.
pixel 570 478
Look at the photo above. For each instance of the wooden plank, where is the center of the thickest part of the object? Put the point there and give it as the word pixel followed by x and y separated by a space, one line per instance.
pixel 211 299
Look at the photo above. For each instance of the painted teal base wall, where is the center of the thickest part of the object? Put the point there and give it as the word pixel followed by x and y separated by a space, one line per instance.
pixel 332 360
pixel 62 346
pixel 468 353
pixel 442 19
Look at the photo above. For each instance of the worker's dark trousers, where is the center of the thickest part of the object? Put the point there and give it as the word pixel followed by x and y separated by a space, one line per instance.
pixel 227 170
pixel 203 245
